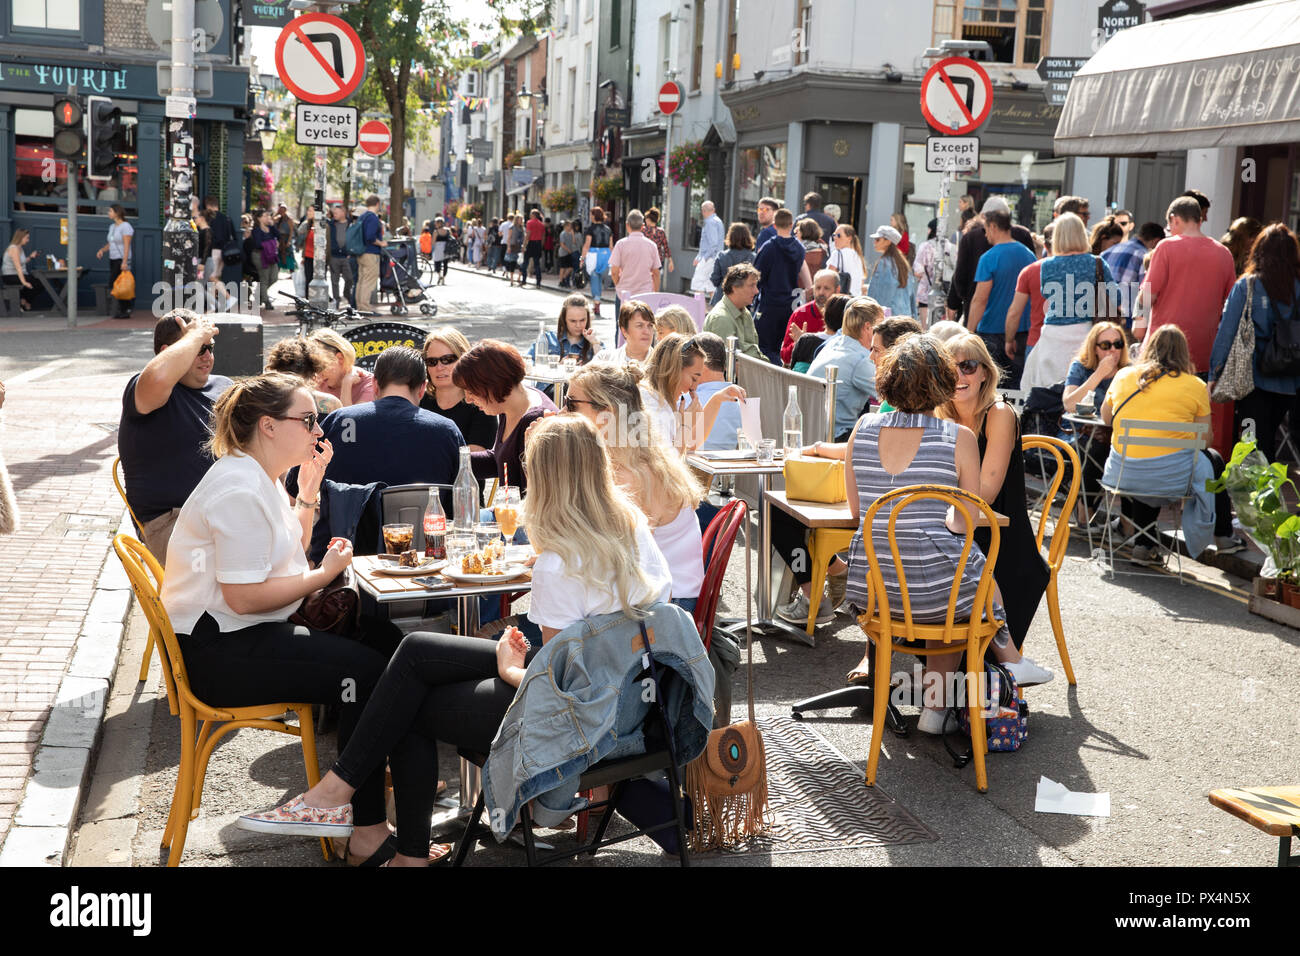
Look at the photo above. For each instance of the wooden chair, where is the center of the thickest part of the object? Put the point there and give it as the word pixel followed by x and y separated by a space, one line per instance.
pixel 139 529
pixel 1062 453
pixel 197 743
pixel 972 636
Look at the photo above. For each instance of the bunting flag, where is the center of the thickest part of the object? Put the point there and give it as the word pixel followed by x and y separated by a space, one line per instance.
pixel 474 103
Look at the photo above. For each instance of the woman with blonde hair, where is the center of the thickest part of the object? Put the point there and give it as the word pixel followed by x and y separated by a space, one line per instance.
pixel 595 555
pixel 1078 289
pixel 1021 573
pixel 847 257
pixel 341 378
pixel 1102 354
pixel 673 318
pixel 307 360
pixel 14 267
pixel 673 371
pixel 443 347
pixel 657 480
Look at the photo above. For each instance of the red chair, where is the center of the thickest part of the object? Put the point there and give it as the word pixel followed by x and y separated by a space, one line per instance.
pixel 720 536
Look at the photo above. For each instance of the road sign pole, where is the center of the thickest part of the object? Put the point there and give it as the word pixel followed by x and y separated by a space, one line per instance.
pixel 179 240
pixel 72 242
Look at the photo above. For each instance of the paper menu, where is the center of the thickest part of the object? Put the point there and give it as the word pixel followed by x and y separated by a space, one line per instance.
pixel 750 423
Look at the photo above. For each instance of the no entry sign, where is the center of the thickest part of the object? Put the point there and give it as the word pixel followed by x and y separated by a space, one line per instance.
pixel 670 97
pixel 319 58
pixel 956 96
pixel 375 137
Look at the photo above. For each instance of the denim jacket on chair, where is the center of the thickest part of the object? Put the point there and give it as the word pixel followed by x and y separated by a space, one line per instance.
pixel 579 690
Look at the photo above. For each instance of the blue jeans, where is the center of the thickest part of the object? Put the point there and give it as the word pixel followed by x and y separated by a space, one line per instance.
pixel 602 266
pixel 686 604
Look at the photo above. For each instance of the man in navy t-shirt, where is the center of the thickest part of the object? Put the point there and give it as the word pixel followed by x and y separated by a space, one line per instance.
pixel 779 262
pixel 166 423
pixel 995 287
pixel 372 231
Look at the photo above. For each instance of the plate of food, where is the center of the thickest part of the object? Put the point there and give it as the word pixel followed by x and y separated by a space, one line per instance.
pixel 408 564
pixel 483 567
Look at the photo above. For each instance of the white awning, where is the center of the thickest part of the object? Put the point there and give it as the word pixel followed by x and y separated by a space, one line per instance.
pixel 1225 78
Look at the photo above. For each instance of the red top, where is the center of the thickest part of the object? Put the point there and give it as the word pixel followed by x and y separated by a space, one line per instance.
pixel 1030 281
pixel 1190 279
pixel 309 247
pixel 536 230
pixel 808 316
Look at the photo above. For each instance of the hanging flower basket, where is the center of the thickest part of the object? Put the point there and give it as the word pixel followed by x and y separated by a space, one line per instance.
pixel 467 211
pixel 560 199
pixel 516 157
pixel 689 163
pixel 607 189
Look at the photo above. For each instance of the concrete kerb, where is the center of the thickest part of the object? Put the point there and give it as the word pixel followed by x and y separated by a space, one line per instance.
pixel 47 813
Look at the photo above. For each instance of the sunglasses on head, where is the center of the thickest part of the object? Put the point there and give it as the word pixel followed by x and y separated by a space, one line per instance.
pixel 308 420
pixel 208 349
pixel 1108 344
pixel 968 366
pixel 440 360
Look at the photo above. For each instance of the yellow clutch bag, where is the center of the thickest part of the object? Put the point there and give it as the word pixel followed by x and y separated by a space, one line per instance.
pixel 815 479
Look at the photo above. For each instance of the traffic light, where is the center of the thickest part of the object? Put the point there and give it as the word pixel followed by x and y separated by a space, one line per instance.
pixel 105 137
pixel 69 137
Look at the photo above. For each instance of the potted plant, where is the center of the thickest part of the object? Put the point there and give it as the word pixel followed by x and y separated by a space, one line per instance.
pixel 516 157
pixel 607 189
pixel 562 199
pixel 1256 488
pixel 689 163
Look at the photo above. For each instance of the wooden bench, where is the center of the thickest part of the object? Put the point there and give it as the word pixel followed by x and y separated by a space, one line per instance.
pixel 1274 810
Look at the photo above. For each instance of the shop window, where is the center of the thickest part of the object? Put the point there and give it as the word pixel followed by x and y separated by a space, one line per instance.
pixel 63 15
pixel 760 171
pixel 729 62
pixel 697 45
pixel 615 24
pixel 41 184
pixel 802 31
pixel 1029 180
pixel 1014 29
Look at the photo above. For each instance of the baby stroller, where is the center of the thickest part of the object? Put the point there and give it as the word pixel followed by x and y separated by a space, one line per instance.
pixel 399 277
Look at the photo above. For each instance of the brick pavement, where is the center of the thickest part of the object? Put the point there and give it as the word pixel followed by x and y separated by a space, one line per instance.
pixel 59 461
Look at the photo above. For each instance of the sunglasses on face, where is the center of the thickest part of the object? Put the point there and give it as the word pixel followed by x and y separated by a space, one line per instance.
pixel 571 404
pixel 968 366
pixel 440 360
pixel 208 349
pixel 308 420
pixel 1109 344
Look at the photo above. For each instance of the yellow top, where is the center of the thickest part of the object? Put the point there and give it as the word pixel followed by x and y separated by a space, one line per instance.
pixel 1170 398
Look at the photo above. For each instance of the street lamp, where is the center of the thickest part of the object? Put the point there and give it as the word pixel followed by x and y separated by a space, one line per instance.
pixel 267 136
pixel 525 98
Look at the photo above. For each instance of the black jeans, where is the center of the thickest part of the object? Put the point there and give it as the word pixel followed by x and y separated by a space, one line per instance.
pixel 436 687
pixel 278 661
pixel 1094 449
pixel 1143 515
pixel 533 254
pixel 308 268
pixel 1012 369
pixel 440 267
pixel 1267 409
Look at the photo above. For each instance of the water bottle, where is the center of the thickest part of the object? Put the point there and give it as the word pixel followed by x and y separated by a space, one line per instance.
pixel 464 496
pixel 542 347
pixel 435 527
pixel 792 426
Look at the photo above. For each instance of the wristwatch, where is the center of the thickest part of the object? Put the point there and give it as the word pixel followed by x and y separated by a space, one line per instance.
pixel 303 503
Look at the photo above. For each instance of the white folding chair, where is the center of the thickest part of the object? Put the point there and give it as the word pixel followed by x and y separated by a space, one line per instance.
pixel 1124 439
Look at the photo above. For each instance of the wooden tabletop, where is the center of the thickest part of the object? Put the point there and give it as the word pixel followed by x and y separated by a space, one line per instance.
pixel 744 466
pixel 1275 810
pixel 814 514
pixel 388 587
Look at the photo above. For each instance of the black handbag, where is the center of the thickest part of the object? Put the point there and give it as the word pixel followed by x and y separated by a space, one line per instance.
pixel 1281 355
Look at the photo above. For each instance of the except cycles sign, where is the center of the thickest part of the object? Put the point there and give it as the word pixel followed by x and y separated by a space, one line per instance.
pixel 960 154
pixel 956 96
pixel 319 58
pixel 325 125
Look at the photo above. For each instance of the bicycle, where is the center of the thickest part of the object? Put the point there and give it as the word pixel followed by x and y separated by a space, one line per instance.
pixel 311 317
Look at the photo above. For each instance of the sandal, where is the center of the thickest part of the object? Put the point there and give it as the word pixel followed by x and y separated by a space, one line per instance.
pixel 438 853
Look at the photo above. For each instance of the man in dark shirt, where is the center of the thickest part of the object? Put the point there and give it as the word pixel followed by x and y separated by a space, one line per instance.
pixel 166 415
pixel 778 262
pixel 812 209
pixel 973 245
pixel 392 439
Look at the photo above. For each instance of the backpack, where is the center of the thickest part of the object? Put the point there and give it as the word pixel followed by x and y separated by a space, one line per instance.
pixel 355 242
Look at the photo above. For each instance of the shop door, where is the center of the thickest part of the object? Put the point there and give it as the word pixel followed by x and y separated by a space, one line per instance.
pixel 845 192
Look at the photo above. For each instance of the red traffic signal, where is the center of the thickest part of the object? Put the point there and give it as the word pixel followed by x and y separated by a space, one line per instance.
pixel 69 137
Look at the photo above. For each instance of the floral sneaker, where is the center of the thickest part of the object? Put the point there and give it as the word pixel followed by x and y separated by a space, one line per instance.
pixel 295 818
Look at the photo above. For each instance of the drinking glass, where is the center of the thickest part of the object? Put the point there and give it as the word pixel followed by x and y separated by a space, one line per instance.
pixel 506 507
pixel 398 537
pixel 570 363
pixel 487 532
pixel 552 360
pixel 742 441
pixel 766 452
pixel 459 544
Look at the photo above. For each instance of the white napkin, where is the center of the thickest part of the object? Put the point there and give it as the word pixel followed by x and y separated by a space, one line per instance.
pixel 1053 797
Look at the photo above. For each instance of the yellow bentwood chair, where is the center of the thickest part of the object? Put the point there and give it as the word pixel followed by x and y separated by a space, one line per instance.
pixel 197 743
pixel 889 633
pixel 139 529
pixel 1062 452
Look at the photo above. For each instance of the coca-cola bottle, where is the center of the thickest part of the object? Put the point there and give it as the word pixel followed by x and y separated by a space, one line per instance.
pixel 435 527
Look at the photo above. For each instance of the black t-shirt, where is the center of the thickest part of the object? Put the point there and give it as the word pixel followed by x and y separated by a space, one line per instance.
pixel 162 452
pixel 477 427
pixel 600 235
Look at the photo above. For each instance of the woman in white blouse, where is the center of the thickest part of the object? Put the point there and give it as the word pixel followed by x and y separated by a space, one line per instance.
pixel 672 373
pixel 595 555
pixel 237 569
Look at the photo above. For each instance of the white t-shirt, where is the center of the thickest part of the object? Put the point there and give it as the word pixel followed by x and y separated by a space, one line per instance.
pixel 503 231
pixel 562 596
pixel 236 527
pixel 616 356
pixel 683 548
pixel 661 414
pixel 848 260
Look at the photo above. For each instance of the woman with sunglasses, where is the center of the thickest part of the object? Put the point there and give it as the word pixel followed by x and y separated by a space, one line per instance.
pixel 1020 571
pixel 847 257
pixel 1103 354
pixel 674 369
pixel 658 481
pixel 238 569
pixel 442 348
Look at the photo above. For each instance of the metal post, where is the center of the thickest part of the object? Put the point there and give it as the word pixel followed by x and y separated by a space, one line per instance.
pixel 71 290
pixel 731 359
pixel 318 290
pixel 831 373
pixel 179 240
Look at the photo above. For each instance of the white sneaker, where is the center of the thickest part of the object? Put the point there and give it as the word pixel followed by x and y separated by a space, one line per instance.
pixel 1028 673
pixel 931 721
pixel 796 612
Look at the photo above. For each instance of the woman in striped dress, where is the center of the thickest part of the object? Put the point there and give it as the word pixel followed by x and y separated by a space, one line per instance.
pixel 909 446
